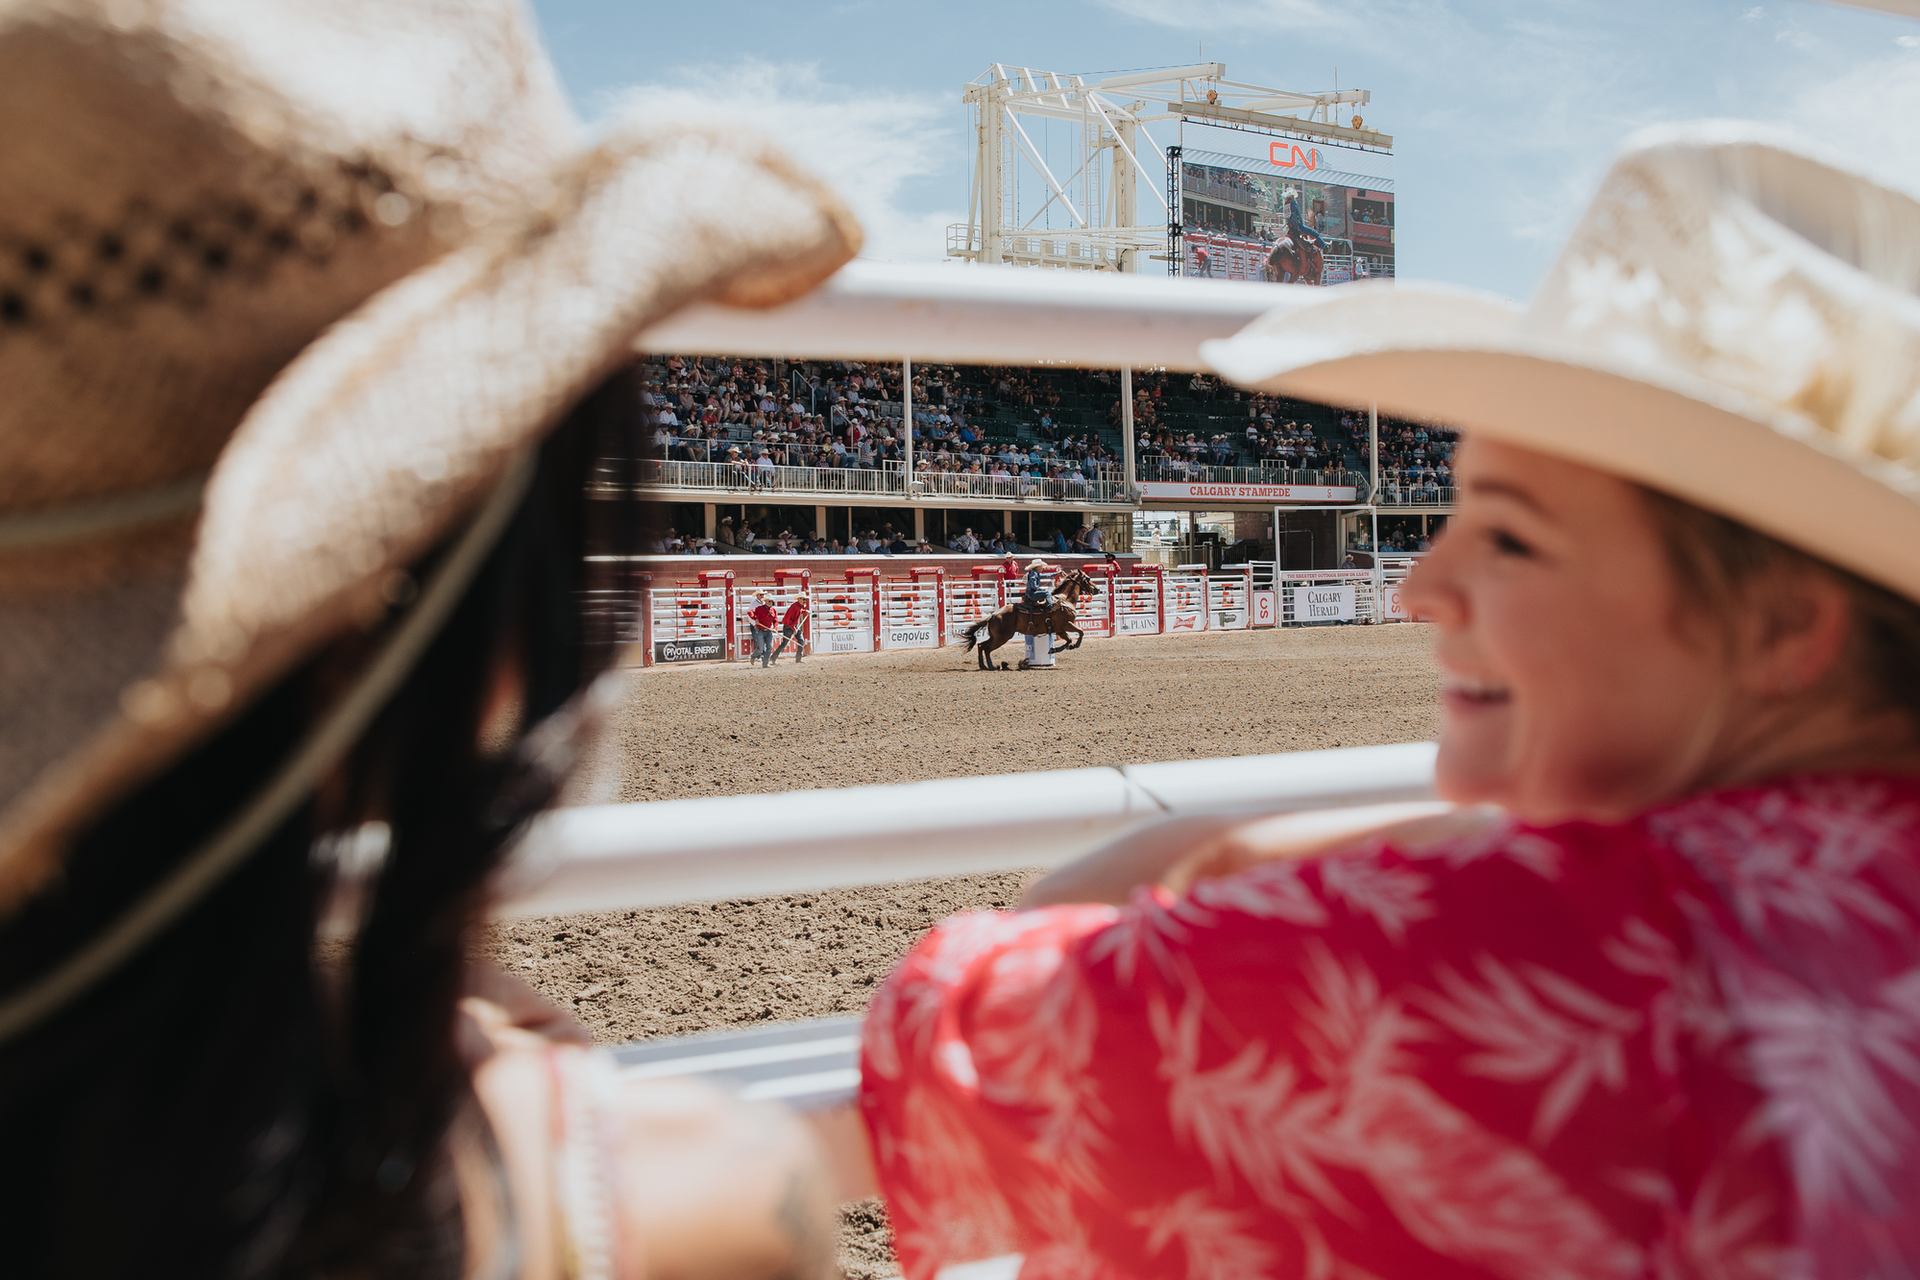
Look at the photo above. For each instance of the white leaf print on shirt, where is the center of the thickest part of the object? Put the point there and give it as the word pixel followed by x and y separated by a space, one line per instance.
pixel 1393 896
pixel 1034 1050
pixel 1213 1242
pixel 949 954
pixel 1727 1240
pixel 1248 1116
pixel 1151 930
pixel 1271 891
pixel 961 1203
pixel 1534 1025
pixel 1832 1071
pixel 1471 1195
pixel 1527 849
pixel 1688 1013
pixel 1786 857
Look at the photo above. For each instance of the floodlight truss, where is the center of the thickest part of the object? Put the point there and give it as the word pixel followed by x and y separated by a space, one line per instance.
pixel 1114 162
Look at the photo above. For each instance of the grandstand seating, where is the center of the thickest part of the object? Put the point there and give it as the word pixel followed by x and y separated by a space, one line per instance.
pixel 1062 420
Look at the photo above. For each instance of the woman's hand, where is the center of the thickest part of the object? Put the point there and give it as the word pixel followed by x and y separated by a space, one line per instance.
pixel 1177 853
pixel 500 1012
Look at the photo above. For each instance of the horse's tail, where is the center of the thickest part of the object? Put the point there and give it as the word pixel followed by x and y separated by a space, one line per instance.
pixel 972 634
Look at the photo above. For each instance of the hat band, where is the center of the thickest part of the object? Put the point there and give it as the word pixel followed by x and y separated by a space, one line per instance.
pixel 330 739
pixel 83 521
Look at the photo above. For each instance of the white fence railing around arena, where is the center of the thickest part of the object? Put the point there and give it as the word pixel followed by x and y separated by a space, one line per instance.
pixel 1136 606
pixel 1185 589
pixel 869 613
pixel 1327 595
pixel 843 617
pixel 968 601
pixel 624 857
pixel 910 615
pixel 1229 602
pixel 688 623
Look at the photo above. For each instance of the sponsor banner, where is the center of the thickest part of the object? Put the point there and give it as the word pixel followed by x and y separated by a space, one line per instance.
pixel 700 649
pixel 922 635
pixel 845 642
pixel 1229 619
pixel 1391 603
pixel 1266 609
pixel 1138 624
pixel 1322 604
pixel 1171 491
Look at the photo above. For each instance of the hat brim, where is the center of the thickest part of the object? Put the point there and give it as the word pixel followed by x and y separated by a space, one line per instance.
pixel 394 424
pixel 1472 362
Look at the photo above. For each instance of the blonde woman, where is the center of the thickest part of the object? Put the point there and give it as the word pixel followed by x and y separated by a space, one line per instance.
pixel 1643 998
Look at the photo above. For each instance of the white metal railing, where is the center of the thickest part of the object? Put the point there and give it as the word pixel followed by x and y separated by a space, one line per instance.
pixel 624 857
pixel 1155 467
pixel 1400 489
pixel 887 479
pixel 1106 485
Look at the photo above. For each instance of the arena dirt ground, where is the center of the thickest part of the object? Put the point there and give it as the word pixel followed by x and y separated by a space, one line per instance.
pixel 842 721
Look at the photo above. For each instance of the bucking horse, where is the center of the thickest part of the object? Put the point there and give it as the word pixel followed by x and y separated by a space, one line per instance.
pixel 1052 619
pixel 1296 260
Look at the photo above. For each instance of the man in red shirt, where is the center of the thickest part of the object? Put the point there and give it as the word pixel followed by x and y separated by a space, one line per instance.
pixel 793 626
pixel 761 616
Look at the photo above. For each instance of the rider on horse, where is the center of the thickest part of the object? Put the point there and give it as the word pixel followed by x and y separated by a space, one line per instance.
pixel 1298 228
pixel 1039 593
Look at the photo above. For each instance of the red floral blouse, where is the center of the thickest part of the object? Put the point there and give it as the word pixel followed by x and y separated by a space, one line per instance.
pixel 1684 1046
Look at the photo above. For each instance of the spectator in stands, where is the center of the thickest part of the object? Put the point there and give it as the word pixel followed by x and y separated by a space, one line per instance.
pixel 1061 545
pixel 762 620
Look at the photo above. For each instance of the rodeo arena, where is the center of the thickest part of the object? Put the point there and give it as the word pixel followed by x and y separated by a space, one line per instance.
pixel 952 573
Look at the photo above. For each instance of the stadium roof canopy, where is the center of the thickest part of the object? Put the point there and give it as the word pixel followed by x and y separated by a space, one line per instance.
pixel 1220 159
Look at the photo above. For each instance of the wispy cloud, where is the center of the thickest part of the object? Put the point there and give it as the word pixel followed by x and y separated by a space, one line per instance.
pixel 871 147
pixel 1234 15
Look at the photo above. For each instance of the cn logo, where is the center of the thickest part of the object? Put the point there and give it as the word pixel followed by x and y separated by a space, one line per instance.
pixel 1287 155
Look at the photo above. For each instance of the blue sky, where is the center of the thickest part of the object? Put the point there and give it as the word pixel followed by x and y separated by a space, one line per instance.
pixel 1503 113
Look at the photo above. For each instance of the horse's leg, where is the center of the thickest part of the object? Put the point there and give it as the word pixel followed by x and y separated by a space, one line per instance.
pixel 988 644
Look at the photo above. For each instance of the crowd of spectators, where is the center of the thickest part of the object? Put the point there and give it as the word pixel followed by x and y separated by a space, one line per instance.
pixel 1398 534
pixel 1273 436
pixel 732 540
pixel 757 415
pixel 1416 458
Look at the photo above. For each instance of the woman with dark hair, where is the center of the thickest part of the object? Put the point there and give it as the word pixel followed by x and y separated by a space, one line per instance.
pixel 294 586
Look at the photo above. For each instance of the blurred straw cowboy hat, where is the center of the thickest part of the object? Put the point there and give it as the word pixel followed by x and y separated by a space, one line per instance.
pixel 287 292
pixel 1732 322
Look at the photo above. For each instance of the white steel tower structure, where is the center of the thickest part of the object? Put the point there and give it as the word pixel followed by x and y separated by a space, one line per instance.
pixel 1107 208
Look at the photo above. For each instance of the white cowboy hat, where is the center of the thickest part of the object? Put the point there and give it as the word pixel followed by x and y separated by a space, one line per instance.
pixel 290 289
pixel 1732 322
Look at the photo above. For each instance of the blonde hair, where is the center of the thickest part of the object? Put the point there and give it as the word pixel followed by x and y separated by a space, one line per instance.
pixel 1719 560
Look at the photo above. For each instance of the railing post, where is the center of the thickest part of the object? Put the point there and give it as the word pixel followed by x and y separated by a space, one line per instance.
pixel 646 618
pixel 708 578
pixel 906 427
